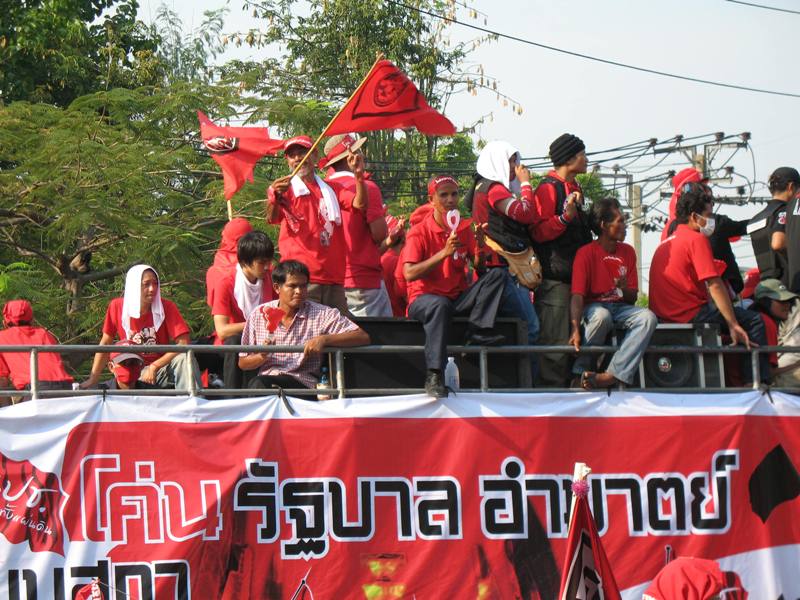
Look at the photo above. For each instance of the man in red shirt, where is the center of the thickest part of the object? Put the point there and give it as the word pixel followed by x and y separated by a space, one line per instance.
pixel 560 226
pixel 604 291
pixel 396 287
pixel 435 267
pixel 363 225
pixel 16 366
pixel 144 318
pixel 237 294
pixel 310 217
pixel 683 276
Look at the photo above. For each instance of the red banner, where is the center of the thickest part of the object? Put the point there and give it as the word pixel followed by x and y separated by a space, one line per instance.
pixel 383 498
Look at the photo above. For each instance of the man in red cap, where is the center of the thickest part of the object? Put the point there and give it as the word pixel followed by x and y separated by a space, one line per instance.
pixel 310 217
pixel 19 330
pixel 363 226
pixel 435 267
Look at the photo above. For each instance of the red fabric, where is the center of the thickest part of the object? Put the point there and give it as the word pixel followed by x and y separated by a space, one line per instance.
pixel 17 365
pixel 680 266
pixel 224 302
pixel 389 100
pixel 689 175
pixel 420 213
pixel 236 150
pixel 225 258
pixel 397 293
pixel 449 277
pixel 17 311
pixel 142 328
pixel 687 579
pixel 546 224
pixel 595 272
pixel 751 280
pixel 363 257
pixel 303 241
pixel 586 572
pixel 91 591
pixel 771 328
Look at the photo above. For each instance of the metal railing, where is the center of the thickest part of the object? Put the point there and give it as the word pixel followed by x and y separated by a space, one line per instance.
pixel 341 388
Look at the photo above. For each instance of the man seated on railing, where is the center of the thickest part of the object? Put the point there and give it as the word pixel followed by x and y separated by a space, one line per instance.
pixel 293 320
pixel 125 367
pixel 142 317
pixel 16 366
pixel 683 276
pixel 604 289
pixel 435 267
pixel 237 293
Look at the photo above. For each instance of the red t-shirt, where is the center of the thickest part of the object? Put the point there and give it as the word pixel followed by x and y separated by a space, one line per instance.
pixel 224 302
pixel 17 365
pixel 680 267
pixel 363 258
pixel 397 293
pixel 142 331
pixel 595 272
pixel 449 277
pixel 771 328
pixel 547 225
pixel 303 235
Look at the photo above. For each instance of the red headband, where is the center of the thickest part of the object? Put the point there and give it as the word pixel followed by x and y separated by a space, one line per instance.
pixel 437 182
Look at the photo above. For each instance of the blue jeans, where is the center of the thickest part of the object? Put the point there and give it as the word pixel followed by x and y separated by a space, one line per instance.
pixel 516 303
pixel 599 319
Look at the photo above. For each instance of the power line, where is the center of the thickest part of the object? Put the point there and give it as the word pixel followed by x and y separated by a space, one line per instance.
pixel 593 58
pixel 785 10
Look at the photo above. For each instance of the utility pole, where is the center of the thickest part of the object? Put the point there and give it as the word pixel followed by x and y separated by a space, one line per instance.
pixel 636 212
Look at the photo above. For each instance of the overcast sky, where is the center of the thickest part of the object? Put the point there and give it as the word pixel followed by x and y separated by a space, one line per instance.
pixel 608 106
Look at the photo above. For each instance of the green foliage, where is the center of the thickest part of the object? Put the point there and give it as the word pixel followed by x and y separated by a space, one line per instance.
pixel 56 50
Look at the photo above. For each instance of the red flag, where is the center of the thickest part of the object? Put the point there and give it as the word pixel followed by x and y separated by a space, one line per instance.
pixel 388 99
pixel 91 591
pixel 236 150
pixel 273 317
pixel 587 573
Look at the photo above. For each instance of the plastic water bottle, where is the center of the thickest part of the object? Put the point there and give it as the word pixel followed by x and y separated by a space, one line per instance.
pixel 451 377
pixel 324 382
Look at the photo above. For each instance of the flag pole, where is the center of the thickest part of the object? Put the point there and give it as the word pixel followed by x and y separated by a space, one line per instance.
pixel 230 209
pixel 378 58
pixel 579 473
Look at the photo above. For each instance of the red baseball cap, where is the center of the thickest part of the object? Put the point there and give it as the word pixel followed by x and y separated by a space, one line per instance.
pixel 436 182
pixel 298 140
pixel 688 175
pixel 17 311
pixel 751 280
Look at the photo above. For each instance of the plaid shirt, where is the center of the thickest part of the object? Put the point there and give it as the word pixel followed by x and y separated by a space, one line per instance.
pixel 311 320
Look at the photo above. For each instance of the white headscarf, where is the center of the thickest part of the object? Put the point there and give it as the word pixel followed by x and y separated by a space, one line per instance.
pixel 246 294
pixel 493 164
pixel 132 300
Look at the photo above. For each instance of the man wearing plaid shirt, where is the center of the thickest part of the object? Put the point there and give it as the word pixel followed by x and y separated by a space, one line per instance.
pixel 304 323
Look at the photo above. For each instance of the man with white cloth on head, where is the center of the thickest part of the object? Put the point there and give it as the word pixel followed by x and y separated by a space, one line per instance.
pixel 142 317
pixel 310 217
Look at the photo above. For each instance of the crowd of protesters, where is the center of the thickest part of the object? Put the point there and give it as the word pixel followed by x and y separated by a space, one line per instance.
pixel 525 251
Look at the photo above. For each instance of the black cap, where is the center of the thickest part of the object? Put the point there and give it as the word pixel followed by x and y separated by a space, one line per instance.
pixel 564 148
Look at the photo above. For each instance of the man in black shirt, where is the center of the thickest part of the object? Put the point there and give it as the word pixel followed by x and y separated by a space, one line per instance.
pixel 768 228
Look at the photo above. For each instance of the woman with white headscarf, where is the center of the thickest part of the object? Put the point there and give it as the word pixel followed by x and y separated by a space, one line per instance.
pixel 144 318
pixel 502 203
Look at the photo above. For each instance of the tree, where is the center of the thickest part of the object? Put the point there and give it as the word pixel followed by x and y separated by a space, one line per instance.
pixel 57 50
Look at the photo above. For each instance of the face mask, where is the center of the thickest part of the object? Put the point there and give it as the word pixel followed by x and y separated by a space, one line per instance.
pixel 127 375
pixel 708 229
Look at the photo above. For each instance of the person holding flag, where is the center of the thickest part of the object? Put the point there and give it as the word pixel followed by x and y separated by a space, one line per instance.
pixel 310 216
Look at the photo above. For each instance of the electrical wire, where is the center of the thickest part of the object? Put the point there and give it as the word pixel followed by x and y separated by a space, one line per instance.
pixel 594 58
pixel 775 8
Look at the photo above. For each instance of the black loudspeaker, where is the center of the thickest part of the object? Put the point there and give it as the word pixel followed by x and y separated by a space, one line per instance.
pixel 682 369
pixel 407 369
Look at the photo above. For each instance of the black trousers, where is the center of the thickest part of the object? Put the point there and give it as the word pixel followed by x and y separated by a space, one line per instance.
pixel 232 375
pixel 479 303
pixel 752 323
